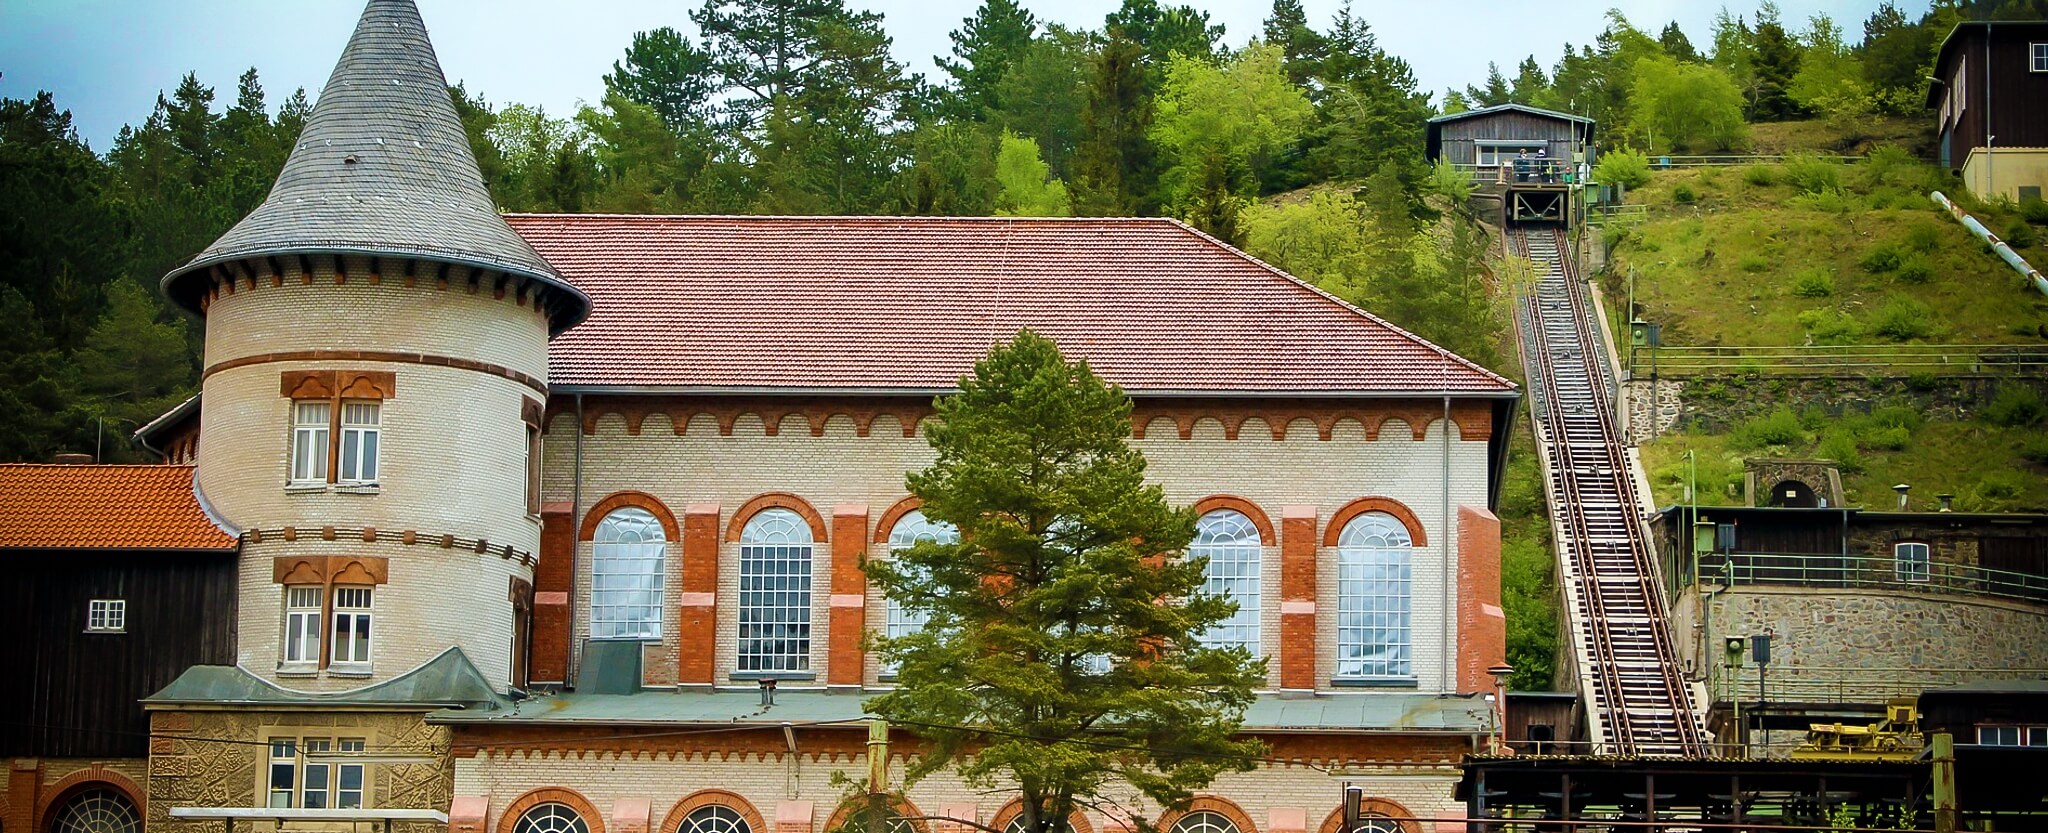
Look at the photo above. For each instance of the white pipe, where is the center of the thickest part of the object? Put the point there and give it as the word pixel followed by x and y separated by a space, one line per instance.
pixel 1998 247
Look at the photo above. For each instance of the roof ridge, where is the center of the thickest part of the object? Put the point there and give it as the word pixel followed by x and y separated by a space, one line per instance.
pixel 1346 305
pixel 933 218
pixel 96 466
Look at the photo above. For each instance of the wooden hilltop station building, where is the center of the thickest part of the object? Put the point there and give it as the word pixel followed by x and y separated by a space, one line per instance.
pixel 1989 80
pixel 1534 162
pixel 500 499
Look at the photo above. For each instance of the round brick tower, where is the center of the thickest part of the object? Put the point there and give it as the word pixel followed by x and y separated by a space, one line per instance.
pixel 375 373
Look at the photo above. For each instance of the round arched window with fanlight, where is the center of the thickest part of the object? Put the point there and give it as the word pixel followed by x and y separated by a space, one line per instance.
pixel 714 818
pixel 551 817
pixel 96 810
pixel 1205 821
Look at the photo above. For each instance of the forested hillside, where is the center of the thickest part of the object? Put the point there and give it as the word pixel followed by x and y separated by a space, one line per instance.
pixel 796 106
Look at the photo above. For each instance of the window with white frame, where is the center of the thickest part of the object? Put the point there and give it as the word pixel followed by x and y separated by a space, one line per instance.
pixel 2039 54
pixel 2010 735
pixel 626 557
pixel 1910 561
pixel 351 628
pixel 1204 821
pixel 909 530
pixel 302 625
pixel 551 817
pixel 1373 594
pixel 311 773
pixel 775 593
pixel 714 818
pixel 106 615
pixel 98 809
pixel 310 424
pixel 1231 543
pixel 359 435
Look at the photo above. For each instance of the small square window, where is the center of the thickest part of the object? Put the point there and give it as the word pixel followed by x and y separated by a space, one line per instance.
pixel 1910 561
pixel 106 616
pixel 2040 55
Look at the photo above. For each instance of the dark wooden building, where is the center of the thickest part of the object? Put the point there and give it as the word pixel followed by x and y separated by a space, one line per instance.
pixel 1990 79
pixel 1993 553
pixel 1530 159
pixel 119 580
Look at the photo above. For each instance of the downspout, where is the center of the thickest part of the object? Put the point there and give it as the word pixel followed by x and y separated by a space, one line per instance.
pixel 575 534
pixel 1990 154
pixel 1450 558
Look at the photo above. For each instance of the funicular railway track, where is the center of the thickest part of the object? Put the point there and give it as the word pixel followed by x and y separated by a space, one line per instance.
pixel 1639 703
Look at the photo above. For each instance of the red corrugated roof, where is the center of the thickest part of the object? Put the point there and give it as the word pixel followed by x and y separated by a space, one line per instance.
pixel 881 303
pixel 50 506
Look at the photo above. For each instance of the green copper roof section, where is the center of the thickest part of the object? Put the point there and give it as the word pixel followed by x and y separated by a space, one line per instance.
pixel 1363 712
pixel 448 680
pixel 383 169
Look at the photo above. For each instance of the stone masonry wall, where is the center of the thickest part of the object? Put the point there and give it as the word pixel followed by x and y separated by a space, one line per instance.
pixel 221 758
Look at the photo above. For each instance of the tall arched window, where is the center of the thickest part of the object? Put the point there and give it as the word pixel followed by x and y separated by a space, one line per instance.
pixel 626 556
pixel 910 529
pixel 551 817
pixel 1231 542
pixel 1373 589
pixel 775 593
pixel 96 810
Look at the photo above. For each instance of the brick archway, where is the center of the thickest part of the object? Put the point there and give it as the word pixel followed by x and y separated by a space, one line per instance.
pixel 1397 509
pixel 901 806
pixel 96 775
pixel 572 799
pixel 1214 804
pixel 777 500
pixel 637 499
pixel 1076 820
pixel 1374 806
pixel 713 798
pixel 1244 507
pixel 895 513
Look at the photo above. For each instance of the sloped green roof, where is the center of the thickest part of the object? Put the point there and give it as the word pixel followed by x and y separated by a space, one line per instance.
pixel 448 680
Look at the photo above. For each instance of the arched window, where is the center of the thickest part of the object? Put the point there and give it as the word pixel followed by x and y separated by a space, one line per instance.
pixel 714 818
pixel 1377 823
pixel 912 528
pixel 1910 561
pixel 1204 821
pixel 551 817
pixel 1373 589
pixel 626 574
pixel 96 810
pixel 775 593
pixel 1231 542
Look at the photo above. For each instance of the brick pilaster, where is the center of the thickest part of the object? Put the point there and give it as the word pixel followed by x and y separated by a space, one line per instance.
pixel 24 782
pixel 846 663
pixel 553 578
pixel 1482 625
pixel 1298 597
pixel 697 610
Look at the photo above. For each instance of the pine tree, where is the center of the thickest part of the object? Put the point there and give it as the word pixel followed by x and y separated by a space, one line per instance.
pixel 664 71
pixel 1049 664
pixel 1496 90
pixel 1777 62
pixel 1115 173
pixel 1531 85
pixel 1676 44
pixel 1045 91
pixel 984 48
pixel 1287 27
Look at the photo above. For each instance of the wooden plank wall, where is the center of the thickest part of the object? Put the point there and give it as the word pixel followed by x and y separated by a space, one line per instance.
pixel 75 694
pixel 1456 139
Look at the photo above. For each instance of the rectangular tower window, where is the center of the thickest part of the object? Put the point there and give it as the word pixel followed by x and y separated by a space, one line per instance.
pixel 284 771
pixel 107 616
pixel 302 625
pixel 310 422
pixel 359 435
pixel 317 789
pixel 351 628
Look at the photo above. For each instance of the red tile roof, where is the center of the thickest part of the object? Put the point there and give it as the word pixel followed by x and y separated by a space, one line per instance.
pixel 93 507
pixel 909 303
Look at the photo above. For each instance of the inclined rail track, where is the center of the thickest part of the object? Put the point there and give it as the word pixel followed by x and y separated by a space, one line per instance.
pixel 1641 704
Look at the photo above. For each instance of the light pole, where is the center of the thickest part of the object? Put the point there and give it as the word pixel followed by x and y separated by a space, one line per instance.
pixel 1500 674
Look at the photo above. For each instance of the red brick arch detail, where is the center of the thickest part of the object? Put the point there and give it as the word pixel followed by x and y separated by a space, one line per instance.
pixel 902 806
pixel 1358 507
pixel 1078 820
pixel 777 500
pixel 629 497
pixel 1374 806
pixel 895 513
pixel 1214 804
pixel 96 775
pixel 705 798
pixel 1245 507
pixel 560 795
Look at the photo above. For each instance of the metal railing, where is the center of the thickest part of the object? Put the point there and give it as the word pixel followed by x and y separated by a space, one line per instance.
pixel 1604 213
pixel 1523 172
pixel 1808 570
pixel 1667 160
pixel 1788 683
pixel 1843 360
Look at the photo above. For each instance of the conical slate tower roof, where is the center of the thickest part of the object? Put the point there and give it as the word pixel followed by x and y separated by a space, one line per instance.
pixel 383 169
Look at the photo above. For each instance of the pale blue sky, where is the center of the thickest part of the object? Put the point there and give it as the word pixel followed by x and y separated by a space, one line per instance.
pixel 106 60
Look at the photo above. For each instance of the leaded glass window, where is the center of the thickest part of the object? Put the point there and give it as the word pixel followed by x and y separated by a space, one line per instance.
pixel 775 593
pixel 1373 597
pixel 551 817
pixel 1231 543
pixel 97 810
pixel 1204 821
pixel 910 529
pixel 714 818
pixel 626 556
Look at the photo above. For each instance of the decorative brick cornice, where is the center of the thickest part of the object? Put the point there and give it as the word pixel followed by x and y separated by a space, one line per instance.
pixel 409 538
pixel 337 569
pixel 894 513
pixel 1390 808
pixel 777 500
pixel 714 797
pixel 1358 507
pixel 1244 507
pixel 559 795
pixel 633 498
pixel 345 384
pixel 772 410
pixel 1213 804
pixel 389 356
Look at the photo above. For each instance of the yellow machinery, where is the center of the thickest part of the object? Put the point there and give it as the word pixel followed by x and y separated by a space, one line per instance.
pixel 1895 739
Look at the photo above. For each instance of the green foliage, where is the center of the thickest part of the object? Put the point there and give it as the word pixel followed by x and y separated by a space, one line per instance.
pixel 1115 166
pixel 1620 166
pixel 2015 406
pixel 1812 174
pixel 1043 93
pixel 1840 446
pixel 1829 326
pixel 1685 105
pixel 1027 186
pixel 1814 282
pixel 1762 176
pixel 2035 449
pixel 1995 487
pixel 2018 234
pixel 1780 428
pixel 984 48
pixel 1903 318
pixel 1454 185
pixel 1830 77
pixel 2035 211
pixel 1682 194
pixel 1922 237
pixel 1048 664
pixel 1754 263
pixel 1827 200
pixel 1914 270
pixel 1882 258
pixel 1217 126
